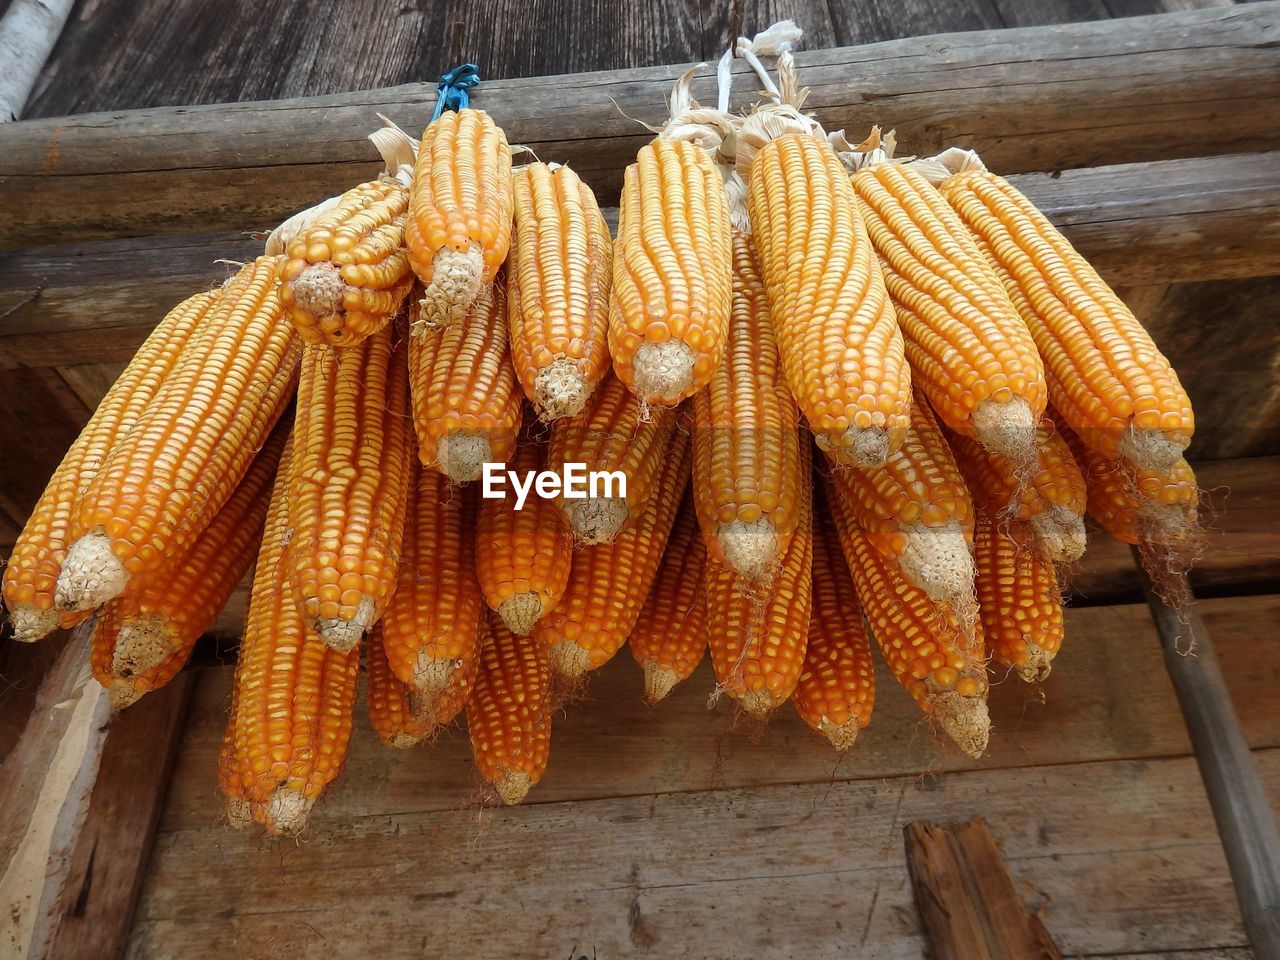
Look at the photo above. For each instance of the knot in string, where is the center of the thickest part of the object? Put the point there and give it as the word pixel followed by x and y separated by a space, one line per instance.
pixel 452 94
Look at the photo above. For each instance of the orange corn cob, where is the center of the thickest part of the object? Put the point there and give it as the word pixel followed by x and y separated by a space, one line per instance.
pixel 616 435
pixel 1050 498
pixel 610 581
pixel 746 446
pixel 291 717
pixel 757 635
pixel 669 638
pixel 969 350
pixel 523 556
pixel 937 660
pixel 1019 598
pixel 429 630
pixel 509 711
pixel 460 207
pixel 558 278
pixel 837 686
pixel 400 715
pixel 236 802
pixel 466 407
pixel 31 576
pixel 349 484
pixel 916 510
pixel 1106 377
pixel 170 474
pixel 672 273
pixel 840 345
pixel 146 635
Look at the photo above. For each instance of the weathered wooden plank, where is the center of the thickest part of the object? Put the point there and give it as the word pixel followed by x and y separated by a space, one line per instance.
pixel 1124 852
pixel 23 667
pixel 1146 89
pixel 1034 13
pixel 91 381
pixel 874 20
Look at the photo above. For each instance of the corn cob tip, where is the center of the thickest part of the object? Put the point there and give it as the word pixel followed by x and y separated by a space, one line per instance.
pixel 431 675
pixel 402 741
pixel 142 643
pixel 91 574
pixel 343 635
pixel 1038 664
pixel 751 549
pixel 1060 532
pixel 238 813
pixel 456 278
pixel 30 624
pixel 757 704
pixel 569 661
pixel 319 290
pixel 462 456
pixel 1008 429
pixel 939 562
pixel 866 447
pixel 561 389
pixel 596 519
pixel 842 736
pixel 122 695
pixel 963 718
pixel 1152 449
pixel 662 372
pixel 1167 524
pixel 521 611
pixel 512 786
pixel 658 682
pixel 286 812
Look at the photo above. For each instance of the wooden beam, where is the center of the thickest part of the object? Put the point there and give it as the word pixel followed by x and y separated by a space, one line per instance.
pixel 1030 99
pixel 1195 219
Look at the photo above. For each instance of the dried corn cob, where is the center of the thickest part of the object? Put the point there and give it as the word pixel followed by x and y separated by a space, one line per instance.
pixel 1106 377
pixel 1019 598
pixel 523 556
pixel 969 350
pixel 145 636
pixel 916 509
pixel 466 407
pixel 30 579
pixel 937 660
pixel 757 634
pixel 610 581
pixel 836 690
pixel 291 716
pixel 349 484
pixel 430 627
pixel 669 638
pixel 509 711
pixel 402 716
pixel 1050 498
pixel 617 436
pixel 746 445
pixel 460 207
pixel 167 477
pixel 672 273
pixel 558 279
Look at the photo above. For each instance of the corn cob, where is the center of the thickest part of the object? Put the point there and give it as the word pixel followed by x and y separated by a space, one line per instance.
pixel 746 446
pixel 429 630
pixel 1019 598
pixel 840 345
pixel 1106 377
pixel 291 717
pixel 672 273
pixel 1050 498
pixel 509 712
pixel 146 635
pixel 558 278
pixel 916 510
pixel 757 635
pixel 466 408
pixel 610 581
pixel 349 484
pixel 460 207
pixel 402 716
pixel 938 660
pixel 236 802
pixel 969 350
pixel 31 576
pixel 167 477
pixel 836 690
pixel 669 638
pixel 618 437
pixel 523 557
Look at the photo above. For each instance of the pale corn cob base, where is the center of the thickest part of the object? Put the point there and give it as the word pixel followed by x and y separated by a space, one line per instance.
pixel 596 519
pixel 964 719
pixel 842 736
pixel 862 446
pixel 521 612
pixel 238 812
pixel 30 624
pixel 287 812
pixel 1038 664
pixel 456 278
pixel 1060 533
pixel 512 786
pixel 462 456
pixel 757 704
pixel 122 695
pixel 91 574
pixel 569 661
pixel 1008 429
pixel 141 644
pixel 751 549
pixel 343 635
pixel 561 389
pixel 1167 524
pixel 431 675
pixel 1152 449
pixel 659 681
pixel 319 290
pixel 662 371
pixel 939 562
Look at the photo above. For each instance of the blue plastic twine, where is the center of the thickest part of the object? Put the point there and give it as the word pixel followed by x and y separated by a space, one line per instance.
pixel 452 94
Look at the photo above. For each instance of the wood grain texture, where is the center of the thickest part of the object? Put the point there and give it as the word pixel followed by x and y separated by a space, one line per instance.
pixel 39 418
pixel 1033 13
pixel 874 20
pixel 1027 98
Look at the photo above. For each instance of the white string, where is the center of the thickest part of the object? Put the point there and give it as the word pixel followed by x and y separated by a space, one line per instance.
pixel 773 41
